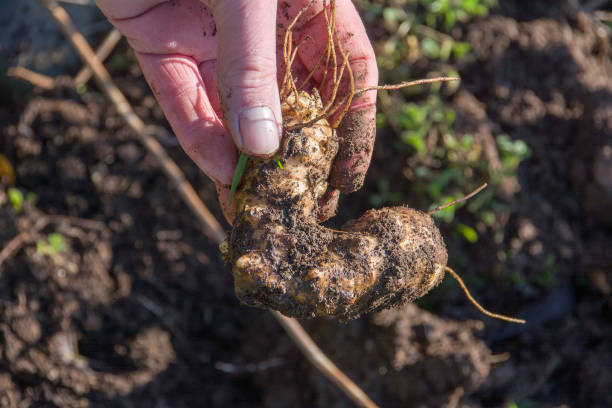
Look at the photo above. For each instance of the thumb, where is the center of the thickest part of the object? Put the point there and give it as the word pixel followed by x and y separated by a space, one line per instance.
pixel 246 73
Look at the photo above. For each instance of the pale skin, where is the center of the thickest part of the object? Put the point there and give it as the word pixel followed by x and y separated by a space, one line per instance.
pixel 214 67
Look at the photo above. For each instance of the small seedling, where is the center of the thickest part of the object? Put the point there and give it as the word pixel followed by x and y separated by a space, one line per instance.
pixel 53 245
pixel 16 199
pixel 240 167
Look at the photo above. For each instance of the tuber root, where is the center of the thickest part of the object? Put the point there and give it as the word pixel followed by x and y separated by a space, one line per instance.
pixel 283 259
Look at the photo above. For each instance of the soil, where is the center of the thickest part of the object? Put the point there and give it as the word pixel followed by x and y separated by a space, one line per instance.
pixel 140 310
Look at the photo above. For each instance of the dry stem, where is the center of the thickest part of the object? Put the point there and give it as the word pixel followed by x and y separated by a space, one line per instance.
pixel 467 197
pixel 321 362
pixel 48 83
pixel 103 51
pixel 475 303
pixel 36 79
pixel 405 84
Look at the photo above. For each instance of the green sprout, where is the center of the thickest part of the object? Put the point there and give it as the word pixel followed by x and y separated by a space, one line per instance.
pixel 240 167
pixel 278 162
pixel 242 162
pixel 16 198
pixel 54 244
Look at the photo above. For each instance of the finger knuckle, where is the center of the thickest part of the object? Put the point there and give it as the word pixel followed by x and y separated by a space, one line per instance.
pixel 250 72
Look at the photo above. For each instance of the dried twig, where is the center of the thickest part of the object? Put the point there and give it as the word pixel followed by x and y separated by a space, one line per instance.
pixel 405 84
pixel 102 53
pixel 47 83
pixel 459 200
pixel 36 79
pixel 15 244
pixel 318 359
pixel 213 229
pixel 475 303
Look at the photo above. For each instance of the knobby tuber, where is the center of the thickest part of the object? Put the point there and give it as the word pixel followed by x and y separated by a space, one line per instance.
pixel 283 259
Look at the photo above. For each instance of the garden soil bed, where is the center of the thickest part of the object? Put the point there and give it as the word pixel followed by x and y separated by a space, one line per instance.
pixel 140 310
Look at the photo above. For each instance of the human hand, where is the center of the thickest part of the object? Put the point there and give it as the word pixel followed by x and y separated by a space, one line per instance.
pixel 214 67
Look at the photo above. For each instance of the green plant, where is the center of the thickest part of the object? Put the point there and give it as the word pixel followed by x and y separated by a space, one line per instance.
pixel 423 27
pixel 16 199
pixel 444 166
pixel 53 245
pixel 438 162
pixel 240 167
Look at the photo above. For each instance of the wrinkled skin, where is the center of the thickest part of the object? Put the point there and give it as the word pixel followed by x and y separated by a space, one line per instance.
pixel 284 260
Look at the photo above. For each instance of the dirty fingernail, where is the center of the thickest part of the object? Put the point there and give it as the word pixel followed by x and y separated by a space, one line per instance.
pixel 259 131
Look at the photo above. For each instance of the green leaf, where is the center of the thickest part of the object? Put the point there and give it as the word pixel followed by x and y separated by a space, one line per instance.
pixel 31 197
pixel 437 185
pixel 391 16
pixel 57 243
pixel 467 141
pixel 512 152
pixel 460 49
pixel 242 161
pixel 446 49
pixel 16 199
pixel 468 233
pixel 488 217
pixel 41 247
pixel 449 20
pixel 450 116
pixel 416 140
pixel 447 214
pixel 377 200
pixel 450 142
pixel 430 47
pixel 278 162
pixel 412 116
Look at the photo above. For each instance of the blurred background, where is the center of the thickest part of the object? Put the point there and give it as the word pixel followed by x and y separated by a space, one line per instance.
pixel 127 303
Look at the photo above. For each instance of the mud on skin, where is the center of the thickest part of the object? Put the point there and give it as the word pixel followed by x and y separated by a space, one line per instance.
pixel 284 260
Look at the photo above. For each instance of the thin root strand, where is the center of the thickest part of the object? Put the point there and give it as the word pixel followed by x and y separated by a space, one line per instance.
pixel 405 84
pixel 478 306
pixel 467 197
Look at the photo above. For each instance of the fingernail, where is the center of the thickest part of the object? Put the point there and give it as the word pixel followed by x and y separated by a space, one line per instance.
pixel 259 131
